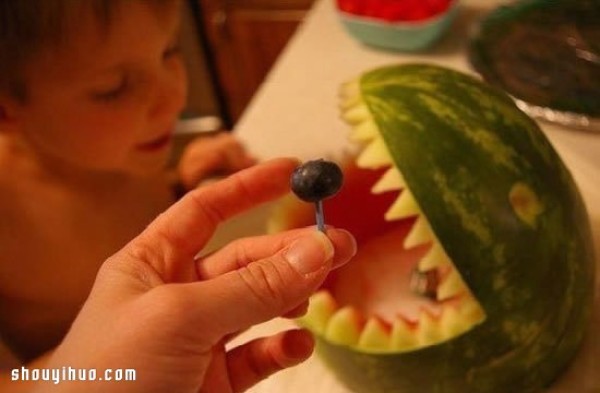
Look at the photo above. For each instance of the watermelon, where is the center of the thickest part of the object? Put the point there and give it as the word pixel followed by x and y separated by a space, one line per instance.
pixel 475 268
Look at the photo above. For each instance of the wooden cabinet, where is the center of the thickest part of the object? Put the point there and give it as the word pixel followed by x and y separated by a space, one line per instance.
pixel 244 38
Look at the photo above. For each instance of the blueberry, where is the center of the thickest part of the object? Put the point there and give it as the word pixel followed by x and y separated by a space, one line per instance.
pixel 316 180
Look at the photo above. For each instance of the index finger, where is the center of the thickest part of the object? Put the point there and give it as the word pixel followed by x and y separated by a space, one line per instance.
pixel 181 231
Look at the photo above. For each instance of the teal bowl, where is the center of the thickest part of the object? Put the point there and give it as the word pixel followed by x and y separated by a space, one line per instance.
pixel 401 35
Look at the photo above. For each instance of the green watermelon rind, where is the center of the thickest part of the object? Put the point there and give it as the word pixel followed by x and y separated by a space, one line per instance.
pixel 461 146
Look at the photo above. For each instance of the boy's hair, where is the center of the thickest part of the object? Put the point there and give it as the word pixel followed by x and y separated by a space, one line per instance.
pixel 27 26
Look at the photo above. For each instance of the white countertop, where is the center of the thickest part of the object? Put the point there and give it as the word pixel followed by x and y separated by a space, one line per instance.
pixel 295 113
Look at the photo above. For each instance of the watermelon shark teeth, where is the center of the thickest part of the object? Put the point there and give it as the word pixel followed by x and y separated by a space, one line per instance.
pixel 435 258
pixel 375 336
pixel 404 206
pixel 347 326
pixel 392 180
pixel 457 320
pixel 428 331
pixel 349 95
pixel 458 311
pixel 451 285
pixel 419 234
pixel 356 114
pixel 375 155
pixel 402 337
pixel 321 309
pixel 365 131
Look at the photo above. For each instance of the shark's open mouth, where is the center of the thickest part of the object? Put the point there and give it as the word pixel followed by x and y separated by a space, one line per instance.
pixel 401 292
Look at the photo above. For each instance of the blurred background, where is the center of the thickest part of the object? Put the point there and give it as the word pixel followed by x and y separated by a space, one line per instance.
pixel 229 47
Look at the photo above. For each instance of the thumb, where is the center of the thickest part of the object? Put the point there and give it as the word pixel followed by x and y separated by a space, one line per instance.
pixel 263 289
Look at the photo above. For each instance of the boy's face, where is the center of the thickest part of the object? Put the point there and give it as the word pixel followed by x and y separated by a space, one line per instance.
pixel 109 102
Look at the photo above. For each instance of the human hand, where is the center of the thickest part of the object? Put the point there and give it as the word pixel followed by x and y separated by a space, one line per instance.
pixel 205 156
pixel 157 308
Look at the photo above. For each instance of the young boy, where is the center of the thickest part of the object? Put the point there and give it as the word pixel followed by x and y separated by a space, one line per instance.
pixel 89 95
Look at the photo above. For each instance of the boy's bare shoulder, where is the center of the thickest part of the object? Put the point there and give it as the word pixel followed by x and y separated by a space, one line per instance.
pixel 17 194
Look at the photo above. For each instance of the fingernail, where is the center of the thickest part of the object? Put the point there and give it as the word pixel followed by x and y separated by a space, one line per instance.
pixel 354 249
pixel 297 345
pixel 309 253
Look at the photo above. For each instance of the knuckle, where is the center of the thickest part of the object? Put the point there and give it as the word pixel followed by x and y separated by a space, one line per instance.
pixel 137 261
pixel 140 251
pixel 209 210
pixel 267 284
pixel 156 254
pixel 134 271
pixel 262 365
